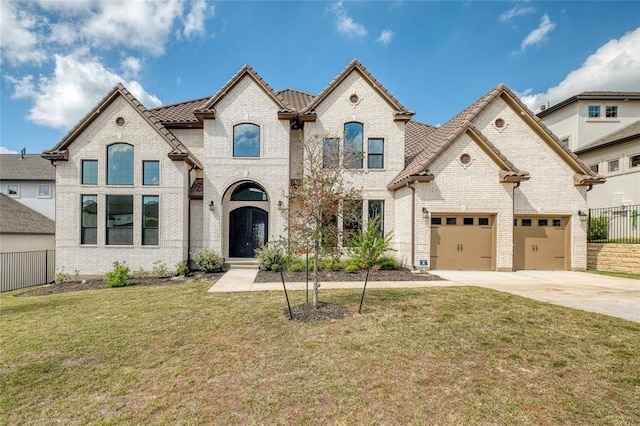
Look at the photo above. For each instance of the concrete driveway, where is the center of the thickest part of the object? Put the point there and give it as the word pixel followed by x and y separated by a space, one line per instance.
pixel 617 297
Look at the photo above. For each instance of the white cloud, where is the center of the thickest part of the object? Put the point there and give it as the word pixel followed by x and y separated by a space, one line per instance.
pixel 385 37
pixel 18 32
pixel 194 22
pixel 539 34
pixel 131 66
pixel 515 12
pixel 614 66
pixel 74 89
pixel 4 150
pixel 345 24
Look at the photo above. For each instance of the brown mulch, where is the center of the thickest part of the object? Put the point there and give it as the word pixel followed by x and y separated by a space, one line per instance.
pixel 324 312
pixel 138 282
pixel 378 275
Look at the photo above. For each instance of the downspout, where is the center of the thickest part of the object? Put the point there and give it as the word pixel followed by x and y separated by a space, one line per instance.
pixel 193 166
pixel 413 224
pixel 513 216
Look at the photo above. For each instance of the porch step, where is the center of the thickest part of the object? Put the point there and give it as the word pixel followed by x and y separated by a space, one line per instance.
pixel 241 263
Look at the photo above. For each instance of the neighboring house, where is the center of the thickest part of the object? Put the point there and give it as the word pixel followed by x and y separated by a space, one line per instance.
pixel 23 229
pixel 491 189
pixel 603 129
pixel 30 180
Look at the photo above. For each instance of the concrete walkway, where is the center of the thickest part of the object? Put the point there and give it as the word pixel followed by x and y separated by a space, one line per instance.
pixel 618 297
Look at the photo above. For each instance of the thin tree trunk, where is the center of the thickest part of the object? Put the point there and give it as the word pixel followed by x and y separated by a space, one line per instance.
pixel 286 295
pixel 366 279
pixel 315 280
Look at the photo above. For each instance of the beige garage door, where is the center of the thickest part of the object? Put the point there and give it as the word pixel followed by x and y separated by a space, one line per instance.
pixel 540 243
pixel 462 242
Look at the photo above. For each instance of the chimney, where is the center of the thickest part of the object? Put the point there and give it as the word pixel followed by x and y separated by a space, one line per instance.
pixel 23 151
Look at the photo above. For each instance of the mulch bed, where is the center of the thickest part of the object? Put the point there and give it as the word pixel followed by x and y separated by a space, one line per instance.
pixel 379 275
pixel 324 312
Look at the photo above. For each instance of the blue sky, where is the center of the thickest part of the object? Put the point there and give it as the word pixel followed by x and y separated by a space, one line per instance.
pixel 59 58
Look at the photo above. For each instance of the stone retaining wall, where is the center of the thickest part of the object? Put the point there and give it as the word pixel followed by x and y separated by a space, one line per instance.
pixel 614 257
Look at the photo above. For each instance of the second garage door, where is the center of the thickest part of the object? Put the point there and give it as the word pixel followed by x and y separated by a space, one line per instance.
pixel 462 242
pixel 540 243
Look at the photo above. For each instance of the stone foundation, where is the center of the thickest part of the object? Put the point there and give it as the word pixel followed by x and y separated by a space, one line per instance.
pixel 614 257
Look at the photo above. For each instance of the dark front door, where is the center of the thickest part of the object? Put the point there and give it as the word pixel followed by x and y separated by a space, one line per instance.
pixel 247 231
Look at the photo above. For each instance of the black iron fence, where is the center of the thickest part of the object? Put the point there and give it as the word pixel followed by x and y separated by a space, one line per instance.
pixel 614 225
pixel 26 269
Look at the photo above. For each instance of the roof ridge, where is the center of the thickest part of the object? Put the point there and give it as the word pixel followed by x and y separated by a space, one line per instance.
pixel 297 90
pixel 179 103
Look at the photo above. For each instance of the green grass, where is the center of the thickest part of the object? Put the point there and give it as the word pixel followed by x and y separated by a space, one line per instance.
pixel 177 355
pixel 616 274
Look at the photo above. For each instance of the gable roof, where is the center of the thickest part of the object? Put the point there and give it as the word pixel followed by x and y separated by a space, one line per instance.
pixel 180 114
pixel 401 113
pixel 592 96
pixel 207 110
pixel 296 99
pixel 26 167
pixel 20 219
pixel 626 134
pixel 433 142
pixel 178 150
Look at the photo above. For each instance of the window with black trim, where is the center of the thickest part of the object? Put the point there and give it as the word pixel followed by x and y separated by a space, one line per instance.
pixel 151 173
pixel 89 219
pixel 331 153
pixel 249 192
pixel 375 153
pixel 376 209
pixel 246 140
pixel 119 220
pixel 353 141
pixel 150 219
pixel 120 164
pixel 89 172
pixel 351 221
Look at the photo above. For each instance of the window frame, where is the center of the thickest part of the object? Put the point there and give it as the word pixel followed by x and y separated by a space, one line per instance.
pixel 130 227
pixel 84 227
pixel 234 153
pixel 371 212
pixel 596 166
pixel 144 227
pixel 83 174
pixel 634 167
pixel 352 221
pixel 613 109
pixel 44 185
pixel 594 108
pixel 353 159
pixel 330 153
pixel 13 193
pixel 371 155
pixel 618 169
pixel 144 172
pixel 114 179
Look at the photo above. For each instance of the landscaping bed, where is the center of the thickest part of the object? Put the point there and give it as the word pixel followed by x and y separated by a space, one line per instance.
pixel 341 275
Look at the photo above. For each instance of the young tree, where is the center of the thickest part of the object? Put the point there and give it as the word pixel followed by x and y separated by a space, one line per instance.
pixel 317 201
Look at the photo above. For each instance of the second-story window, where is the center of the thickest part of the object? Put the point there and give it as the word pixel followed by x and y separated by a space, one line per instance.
pixel 375 153
pixel 594 111
pixel 151 173
pixel 246 140
pixel 120 164
pixel 611 111
pixel 353 135
pixel 89 172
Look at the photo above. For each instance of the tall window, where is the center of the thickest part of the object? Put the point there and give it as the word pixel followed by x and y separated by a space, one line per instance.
pixel 330 153
pixel 89 172
pixel 594 111
pixel 89 220
pixel 120 164
pixel 246 140
pixel 353 145
pixel 351 221
pixel 119 219
pixel 151 173
pixel 150 217
pixel 376 209
pixel 375 153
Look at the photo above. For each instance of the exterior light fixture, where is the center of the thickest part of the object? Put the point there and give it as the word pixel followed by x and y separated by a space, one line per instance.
pixel 211 205
pixel 583 214
pixel 425 212
pixel 279 204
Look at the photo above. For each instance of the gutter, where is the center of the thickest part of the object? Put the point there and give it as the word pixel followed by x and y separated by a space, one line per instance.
pixel 413 224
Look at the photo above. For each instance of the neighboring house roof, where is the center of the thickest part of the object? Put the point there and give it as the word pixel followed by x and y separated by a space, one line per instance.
pixel 626 134
pixel 26 167
pixel 401 113
pixel 592 96
pixel 426 145
pixel 178 150
pixel 180 114
pixel 20 219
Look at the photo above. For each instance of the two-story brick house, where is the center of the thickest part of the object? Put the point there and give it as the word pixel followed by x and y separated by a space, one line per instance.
pixel 146 185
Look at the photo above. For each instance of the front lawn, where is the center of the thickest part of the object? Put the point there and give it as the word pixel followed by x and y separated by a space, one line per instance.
pixel 177 355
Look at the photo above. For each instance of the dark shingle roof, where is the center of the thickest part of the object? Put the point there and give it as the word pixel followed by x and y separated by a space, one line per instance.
pixel 29 167
pixel 181 112
pixel 20 219
pixel 625 134
pixel 591 96
pixel 297 99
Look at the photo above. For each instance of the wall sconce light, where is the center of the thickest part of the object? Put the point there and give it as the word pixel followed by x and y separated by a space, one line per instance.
pixel 425 212
pixel 583 215
pixel 211 205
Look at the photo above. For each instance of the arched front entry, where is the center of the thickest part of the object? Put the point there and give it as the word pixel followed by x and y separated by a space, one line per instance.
pixel 247 231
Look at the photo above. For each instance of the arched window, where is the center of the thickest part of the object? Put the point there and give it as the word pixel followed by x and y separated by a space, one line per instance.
pixel 120 164
pixel 249 192
pixel 353 153
pixel 246 140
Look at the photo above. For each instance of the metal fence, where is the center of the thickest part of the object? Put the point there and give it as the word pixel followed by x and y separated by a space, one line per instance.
pixel 26 269
pixel 614 225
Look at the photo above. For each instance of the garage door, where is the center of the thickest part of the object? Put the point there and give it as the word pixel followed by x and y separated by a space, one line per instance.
pixel 462 242
pixel 540 242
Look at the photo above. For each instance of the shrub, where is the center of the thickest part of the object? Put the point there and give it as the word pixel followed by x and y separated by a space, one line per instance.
pixel 353 266
pixel 598 228
pixel 329 264
pixel 387 263
pixel 209 261
pixel 119 276
pixel 297 264
pixel 62 276
pixel 159 269
pixel 140 273
pixel 182 268
pixel 273 256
